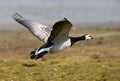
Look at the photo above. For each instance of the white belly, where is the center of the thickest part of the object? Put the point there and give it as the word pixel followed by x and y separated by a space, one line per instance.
pixel 59 46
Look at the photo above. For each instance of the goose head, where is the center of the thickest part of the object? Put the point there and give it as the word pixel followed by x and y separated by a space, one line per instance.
pixel 88 36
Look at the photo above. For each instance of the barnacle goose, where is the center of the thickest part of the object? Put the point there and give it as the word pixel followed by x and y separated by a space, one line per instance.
pixel 56 38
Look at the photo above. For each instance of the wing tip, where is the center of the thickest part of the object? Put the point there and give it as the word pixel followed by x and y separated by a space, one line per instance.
pixel 16 16
pixel 65 19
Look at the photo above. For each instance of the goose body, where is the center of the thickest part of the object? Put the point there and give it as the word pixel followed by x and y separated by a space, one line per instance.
pixel 56 38
pixel 60 45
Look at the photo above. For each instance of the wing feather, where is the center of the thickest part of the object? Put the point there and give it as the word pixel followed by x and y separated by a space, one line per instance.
pixel 42 32
pixel 60 31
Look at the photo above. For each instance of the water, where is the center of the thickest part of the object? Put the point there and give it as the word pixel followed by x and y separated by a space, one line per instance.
pixel 49 11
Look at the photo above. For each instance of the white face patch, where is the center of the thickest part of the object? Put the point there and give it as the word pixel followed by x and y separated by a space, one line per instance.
pixel 88 36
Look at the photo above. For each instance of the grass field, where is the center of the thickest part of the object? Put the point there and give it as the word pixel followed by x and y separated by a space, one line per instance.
pixel 90 60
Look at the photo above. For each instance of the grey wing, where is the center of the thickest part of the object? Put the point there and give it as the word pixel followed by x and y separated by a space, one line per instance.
pixel 42 32
pixel 60 31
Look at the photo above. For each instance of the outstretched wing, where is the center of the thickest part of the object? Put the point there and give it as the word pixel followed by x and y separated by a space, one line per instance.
pixel 60 31
pixel 42 32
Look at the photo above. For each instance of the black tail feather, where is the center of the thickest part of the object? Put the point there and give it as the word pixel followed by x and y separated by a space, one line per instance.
pixel 33 56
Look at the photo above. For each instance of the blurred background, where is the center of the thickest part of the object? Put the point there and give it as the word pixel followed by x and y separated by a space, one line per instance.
pixel 80 12
pixel 89 60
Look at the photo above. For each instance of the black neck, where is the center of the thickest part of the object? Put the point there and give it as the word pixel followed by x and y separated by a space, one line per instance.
pixel 75 39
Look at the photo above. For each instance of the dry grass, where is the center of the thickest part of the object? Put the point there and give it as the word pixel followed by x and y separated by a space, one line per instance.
pixel 90 60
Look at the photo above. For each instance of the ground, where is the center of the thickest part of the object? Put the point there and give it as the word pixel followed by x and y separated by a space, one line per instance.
pixel 90 60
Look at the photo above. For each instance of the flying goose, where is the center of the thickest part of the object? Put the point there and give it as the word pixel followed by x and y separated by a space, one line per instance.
pixel 56 38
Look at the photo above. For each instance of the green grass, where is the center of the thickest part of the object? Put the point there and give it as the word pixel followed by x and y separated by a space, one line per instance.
pixel 90 60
